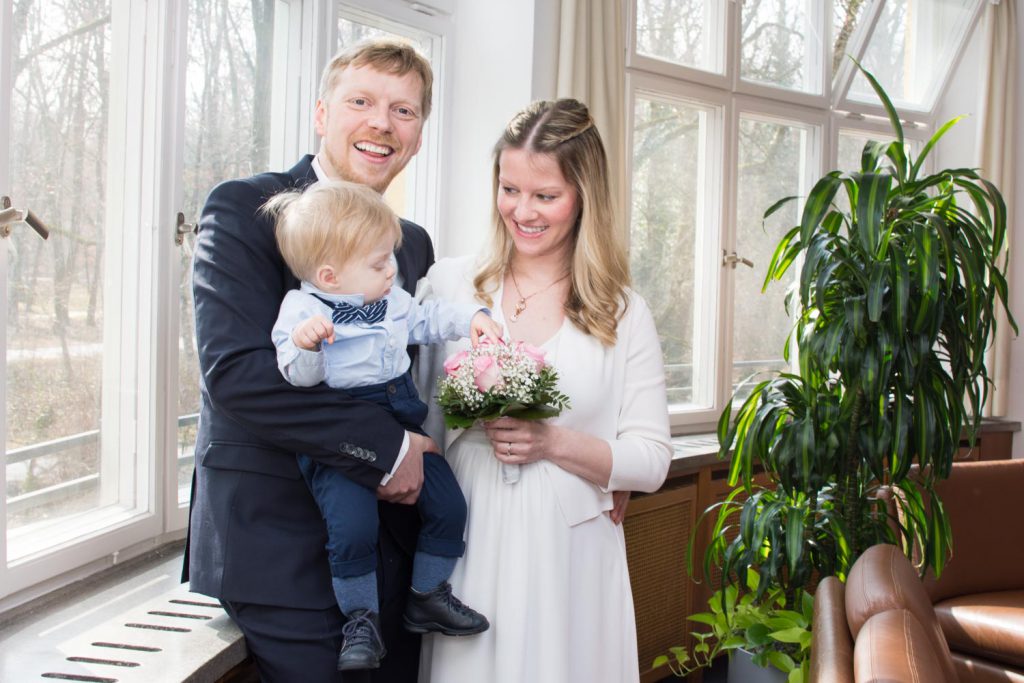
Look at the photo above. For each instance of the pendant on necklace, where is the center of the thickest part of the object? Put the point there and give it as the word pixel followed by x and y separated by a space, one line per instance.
pixel 520 307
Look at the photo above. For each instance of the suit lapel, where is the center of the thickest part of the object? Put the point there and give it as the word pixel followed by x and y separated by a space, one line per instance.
pixel 302 173
pixel 405 259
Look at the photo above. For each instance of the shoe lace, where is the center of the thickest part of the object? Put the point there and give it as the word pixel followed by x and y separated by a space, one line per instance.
pixel 453 602
pixel 354 635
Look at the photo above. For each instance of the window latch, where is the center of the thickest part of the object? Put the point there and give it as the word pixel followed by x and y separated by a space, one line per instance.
pixel 9 216
pixel 181 228
pixel 731 259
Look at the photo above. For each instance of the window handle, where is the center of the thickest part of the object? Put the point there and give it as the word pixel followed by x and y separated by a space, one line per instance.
pixel 182 228
pixel 9 216
pixel 733 258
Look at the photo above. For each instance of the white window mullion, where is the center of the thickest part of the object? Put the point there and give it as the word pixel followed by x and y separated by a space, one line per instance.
pixel 6 59
pixel 859 45
pixel 163 189
pixel 128 446
pixel 288 126
pixel 726 281
pixel 319 34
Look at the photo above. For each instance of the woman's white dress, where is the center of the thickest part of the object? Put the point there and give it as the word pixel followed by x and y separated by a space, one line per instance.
pixel 544 562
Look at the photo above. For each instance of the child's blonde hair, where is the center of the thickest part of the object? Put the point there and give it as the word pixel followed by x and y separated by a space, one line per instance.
pixel 330 222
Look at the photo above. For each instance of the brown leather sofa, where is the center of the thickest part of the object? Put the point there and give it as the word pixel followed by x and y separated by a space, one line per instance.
pixel 882 625
pixel 879 627
pixel 979 599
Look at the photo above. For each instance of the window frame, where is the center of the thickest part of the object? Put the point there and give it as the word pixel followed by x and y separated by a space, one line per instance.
pixel 860 40
pixel 130 390
pixel 822 10
pixel 739 99
pixel 706 356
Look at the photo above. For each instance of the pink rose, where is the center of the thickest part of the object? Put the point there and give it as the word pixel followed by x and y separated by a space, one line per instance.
pixel 536 354
pixel 455 361
pixel 486 373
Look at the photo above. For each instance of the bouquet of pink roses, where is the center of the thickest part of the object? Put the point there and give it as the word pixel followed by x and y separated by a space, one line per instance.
pixel 496 380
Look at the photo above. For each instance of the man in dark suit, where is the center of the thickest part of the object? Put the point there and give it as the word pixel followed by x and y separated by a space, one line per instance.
pixel 256 537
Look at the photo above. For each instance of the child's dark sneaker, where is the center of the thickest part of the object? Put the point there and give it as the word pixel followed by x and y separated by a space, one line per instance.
pixel 363 647
pixel 441 612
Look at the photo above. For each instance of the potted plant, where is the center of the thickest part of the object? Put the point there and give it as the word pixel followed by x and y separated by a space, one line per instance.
pixel 766 638
pixel 894 309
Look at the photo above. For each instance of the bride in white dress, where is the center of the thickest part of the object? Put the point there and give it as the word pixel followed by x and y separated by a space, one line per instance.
pixel 545 561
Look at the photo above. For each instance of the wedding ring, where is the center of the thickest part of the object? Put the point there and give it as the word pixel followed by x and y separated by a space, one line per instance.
pixel 508 451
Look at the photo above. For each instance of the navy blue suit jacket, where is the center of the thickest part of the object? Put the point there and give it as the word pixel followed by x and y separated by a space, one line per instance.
pixel 255 532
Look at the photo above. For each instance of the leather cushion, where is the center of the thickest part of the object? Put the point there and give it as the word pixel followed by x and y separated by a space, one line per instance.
pixel 883 579
pixel 831 647
pixel 893 646
pixel 989 625
pixel 975 670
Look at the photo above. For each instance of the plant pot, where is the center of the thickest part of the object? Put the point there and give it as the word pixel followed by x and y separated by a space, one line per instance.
pixel 743 670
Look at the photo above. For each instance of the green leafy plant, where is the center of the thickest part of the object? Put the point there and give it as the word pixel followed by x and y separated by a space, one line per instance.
pixel 894 308
pixel 763 626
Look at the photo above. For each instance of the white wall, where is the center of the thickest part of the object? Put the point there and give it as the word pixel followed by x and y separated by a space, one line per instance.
pixel 1016 405
pixel 960 148
pixel 492 80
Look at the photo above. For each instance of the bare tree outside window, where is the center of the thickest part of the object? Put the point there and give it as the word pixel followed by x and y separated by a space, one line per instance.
pixel 59 106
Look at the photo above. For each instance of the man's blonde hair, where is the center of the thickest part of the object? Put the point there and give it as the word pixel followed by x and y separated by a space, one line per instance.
pixel 332 222
pixel 385 55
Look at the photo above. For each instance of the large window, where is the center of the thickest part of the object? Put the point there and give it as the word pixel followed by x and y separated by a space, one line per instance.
pixel 66 384
pixel 735 106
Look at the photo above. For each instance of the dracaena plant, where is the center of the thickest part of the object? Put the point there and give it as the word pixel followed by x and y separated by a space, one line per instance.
pixel 901 274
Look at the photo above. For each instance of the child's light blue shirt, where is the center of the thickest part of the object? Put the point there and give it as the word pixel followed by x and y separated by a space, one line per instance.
pixel 363 354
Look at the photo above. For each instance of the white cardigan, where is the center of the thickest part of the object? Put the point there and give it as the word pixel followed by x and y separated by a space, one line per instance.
pixel 630 412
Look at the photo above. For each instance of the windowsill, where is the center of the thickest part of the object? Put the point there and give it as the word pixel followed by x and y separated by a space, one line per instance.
pixel 58 635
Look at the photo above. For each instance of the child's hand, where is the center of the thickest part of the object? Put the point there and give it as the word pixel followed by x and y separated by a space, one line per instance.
pixel 482 325
pixel 309 333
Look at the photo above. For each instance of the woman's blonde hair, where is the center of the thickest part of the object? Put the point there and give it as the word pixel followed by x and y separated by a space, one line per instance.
pixel 330 222
pixel 599 268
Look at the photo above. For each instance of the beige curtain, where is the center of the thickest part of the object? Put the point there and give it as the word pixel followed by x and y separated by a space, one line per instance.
pixel 997 145
pixel 592 69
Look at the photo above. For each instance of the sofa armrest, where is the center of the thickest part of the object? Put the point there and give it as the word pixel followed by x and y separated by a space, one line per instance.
pixel 832 647
pixel 893 646
pixel 883 579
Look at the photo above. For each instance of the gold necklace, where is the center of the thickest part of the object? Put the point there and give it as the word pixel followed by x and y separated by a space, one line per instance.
pixel 521 304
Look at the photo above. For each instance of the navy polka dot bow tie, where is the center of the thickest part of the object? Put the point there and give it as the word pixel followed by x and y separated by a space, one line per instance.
pixel 347 313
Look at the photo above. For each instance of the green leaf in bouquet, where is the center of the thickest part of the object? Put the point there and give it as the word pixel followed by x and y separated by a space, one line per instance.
pixel 458 421
pixel 533 412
